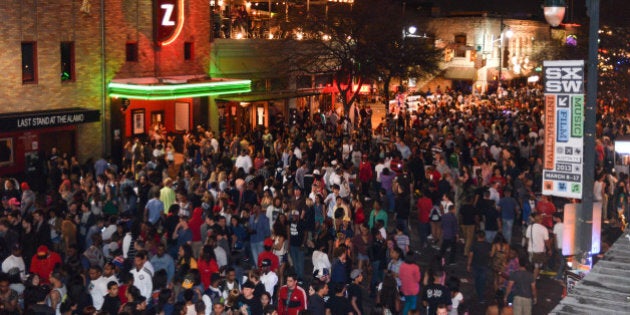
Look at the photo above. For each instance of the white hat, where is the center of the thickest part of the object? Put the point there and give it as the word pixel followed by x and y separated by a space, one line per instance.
pixel 316 172
pixel 333 162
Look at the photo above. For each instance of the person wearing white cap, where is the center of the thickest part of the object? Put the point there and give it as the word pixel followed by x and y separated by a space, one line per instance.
pixel 355 293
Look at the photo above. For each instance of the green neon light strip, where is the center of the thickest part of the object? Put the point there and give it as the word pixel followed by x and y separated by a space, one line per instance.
pixel 165 92
pixel 171 97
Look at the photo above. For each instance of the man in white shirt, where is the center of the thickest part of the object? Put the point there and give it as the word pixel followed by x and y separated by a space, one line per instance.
pixel 268 277
pixel 244 161
pixel 98 286
pixel 537 243
pixel 494 192
pixel 558 232
pixel 378 169
pixel 213 142
pixel 321 262
pixel 143 274
pixel 15 260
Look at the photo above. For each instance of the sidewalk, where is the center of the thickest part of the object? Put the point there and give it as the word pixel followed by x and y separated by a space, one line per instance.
pixel 549 290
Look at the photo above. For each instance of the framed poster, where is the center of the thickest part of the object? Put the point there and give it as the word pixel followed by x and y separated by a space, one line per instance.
pixel 137 121
pixel 182 116
pixel 6 151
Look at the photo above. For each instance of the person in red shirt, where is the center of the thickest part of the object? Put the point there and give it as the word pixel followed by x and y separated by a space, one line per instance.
pixel 365 174
pixel 424 206
pixel 268 254
pixel 433 175
pixel 207 265
pixel 409 274
pixel 43 263
pixel 194 224
pixel 546 209
pixel 291 297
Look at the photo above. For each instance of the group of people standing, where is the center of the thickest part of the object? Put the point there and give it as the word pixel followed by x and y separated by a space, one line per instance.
pixel 310 219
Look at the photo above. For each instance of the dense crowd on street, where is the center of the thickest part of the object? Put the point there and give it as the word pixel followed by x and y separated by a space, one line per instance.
pixel 310 218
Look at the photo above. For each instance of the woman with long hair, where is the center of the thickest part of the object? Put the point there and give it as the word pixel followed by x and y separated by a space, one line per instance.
pixel 361 243
pixel 499 254
pixel 185 262
pixel 110 203
pixel 280 244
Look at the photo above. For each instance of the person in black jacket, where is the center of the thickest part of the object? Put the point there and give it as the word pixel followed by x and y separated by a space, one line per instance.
pixel 40 307
pixel 111 301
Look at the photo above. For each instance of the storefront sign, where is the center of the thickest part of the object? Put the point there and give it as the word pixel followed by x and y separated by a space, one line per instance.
pixel 168 17
pixel 45 119
pixel 564 125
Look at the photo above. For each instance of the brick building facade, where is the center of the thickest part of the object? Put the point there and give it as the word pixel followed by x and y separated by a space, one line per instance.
pixel 100 42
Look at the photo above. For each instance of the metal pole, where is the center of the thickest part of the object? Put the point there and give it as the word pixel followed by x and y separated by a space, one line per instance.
pixel 104 129
pixel 500 56
pixel 590 113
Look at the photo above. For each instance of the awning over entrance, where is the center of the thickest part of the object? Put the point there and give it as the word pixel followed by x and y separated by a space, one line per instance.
pixel 168 88
pixel 460 73
pixel 47 118
pixel 268 95
pixel 506 74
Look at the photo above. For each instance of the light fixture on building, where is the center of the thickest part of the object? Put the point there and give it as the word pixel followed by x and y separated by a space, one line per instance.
pixel 554 11
pixel 86 7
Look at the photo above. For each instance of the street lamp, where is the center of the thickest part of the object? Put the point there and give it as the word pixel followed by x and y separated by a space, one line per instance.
pixel 506 32
pixel 554 13
pixel 411 32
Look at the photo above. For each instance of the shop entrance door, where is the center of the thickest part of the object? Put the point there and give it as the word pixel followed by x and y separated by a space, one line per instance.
pixel 64 141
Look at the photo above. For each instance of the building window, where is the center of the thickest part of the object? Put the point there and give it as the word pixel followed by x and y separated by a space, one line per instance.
pixel 131 52
pixel 67 62
pixel 188 51
pixel 460 45
pixel 29 62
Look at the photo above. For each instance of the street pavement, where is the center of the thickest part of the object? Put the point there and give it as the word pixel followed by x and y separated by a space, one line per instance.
pixel 549 290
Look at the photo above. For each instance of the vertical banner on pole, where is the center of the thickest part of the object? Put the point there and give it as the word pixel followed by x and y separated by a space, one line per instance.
pixel 564 128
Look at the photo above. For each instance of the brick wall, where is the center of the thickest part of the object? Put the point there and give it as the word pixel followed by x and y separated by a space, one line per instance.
pixel 52 21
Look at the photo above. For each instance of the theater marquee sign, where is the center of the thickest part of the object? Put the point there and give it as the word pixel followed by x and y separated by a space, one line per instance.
pixel 168 20
pixel 46 119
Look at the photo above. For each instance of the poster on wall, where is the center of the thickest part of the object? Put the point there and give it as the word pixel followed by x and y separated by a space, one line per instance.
pixel 6 151
pixel 137 117
pixel 182 116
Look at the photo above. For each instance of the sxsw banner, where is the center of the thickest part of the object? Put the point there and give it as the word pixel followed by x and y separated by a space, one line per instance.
pixel 564 128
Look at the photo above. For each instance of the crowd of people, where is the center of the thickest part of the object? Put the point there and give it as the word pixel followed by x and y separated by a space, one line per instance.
pixel 308 219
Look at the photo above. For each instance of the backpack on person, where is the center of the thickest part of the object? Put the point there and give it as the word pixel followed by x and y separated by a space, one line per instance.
pixel 435 215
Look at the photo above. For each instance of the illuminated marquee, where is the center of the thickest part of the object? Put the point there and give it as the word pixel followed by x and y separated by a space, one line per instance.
pixel 168 17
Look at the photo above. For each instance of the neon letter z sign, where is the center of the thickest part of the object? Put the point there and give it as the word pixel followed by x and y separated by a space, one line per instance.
pixel 168 17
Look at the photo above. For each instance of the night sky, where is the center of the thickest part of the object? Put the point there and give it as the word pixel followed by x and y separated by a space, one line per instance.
pixel 612 12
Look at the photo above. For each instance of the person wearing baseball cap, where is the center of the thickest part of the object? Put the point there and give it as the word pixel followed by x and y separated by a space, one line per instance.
pixel 267 276
pixel 14 203
pixel 14 261
pixel 268 254
pixel 44 262
pixel 355 294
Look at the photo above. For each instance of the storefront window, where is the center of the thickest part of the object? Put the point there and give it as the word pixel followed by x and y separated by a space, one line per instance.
pixel 67 62
pixel 29 62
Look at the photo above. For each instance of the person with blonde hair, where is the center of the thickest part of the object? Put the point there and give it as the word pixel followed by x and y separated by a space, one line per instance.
pixel 167 194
